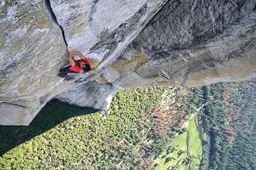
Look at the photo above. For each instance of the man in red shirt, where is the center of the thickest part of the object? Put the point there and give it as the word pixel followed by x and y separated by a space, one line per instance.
pixel 76 66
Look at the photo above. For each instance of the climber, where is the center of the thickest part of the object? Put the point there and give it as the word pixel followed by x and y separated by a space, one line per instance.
pixel 76 66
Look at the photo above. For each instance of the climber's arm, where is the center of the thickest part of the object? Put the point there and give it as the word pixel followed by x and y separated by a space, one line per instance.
pixel 70 59
pixel 81 56
pixel 78 54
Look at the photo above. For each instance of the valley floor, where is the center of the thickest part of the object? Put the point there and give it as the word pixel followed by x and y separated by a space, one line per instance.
pixel 160 128
pixel 185 151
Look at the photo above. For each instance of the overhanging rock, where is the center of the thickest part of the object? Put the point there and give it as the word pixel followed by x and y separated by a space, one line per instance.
pixel 190 43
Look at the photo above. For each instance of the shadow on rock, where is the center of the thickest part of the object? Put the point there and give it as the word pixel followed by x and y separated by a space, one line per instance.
pixel 51 115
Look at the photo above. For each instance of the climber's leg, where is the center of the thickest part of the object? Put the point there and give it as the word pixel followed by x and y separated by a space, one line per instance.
pixel 64 72
pixel 67 74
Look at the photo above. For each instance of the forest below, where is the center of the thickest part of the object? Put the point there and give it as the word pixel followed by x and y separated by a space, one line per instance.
pixel 229 119
pixel 211 127
pixel 132 134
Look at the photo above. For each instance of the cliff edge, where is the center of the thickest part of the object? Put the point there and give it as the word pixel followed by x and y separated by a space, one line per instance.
pixel 133 43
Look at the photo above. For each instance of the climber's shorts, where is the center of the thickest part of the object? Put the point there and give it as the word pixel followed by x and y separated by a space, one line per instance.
pixel 65 72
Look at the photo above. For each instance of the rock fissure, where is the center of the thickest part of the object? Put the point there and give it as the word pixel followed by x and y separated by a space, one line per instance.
pixel 54 19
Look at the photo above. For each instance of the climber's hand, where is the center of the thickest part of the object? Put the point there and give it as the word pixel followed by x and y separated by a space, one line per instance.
pixel 69 51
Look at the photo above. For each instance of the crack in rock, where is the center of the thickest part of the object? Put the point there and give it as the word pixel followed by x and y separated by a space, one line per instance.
pixel 54 19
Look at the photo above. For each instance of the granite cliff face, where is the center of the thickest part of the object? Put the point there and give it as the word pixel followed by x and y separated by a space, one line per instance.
pixel 131 44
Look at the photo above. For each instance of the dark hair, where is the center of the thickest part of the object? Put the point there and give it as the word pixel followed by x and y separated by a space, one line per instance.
pixel 87 67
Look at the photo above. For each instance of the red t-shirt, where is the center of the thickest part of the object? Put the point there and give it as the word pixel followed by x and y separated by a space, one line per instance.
pixel 76 68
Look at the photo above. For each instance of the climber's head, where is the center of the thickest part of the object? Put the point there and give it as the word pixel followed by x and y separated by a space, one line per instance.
pixel 85 66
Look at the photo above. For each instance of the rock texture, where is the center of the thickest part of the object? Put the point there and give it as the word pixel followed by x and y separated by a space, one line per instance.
pixel 31 52
pixel 91 94
pixel 189 44
pixel 194 44
pixel 131 44
pixel 33 40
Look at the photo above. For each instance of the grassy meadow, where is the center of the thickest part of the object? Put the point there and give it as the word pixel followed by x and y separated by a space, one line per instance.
pixel 185 151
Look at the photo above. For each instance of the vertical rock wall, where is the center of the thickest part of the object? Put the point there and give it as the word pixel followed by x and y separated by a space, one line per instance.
pixel 31 53
pixel 187 43
pixel 112 35
pixel 33 38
